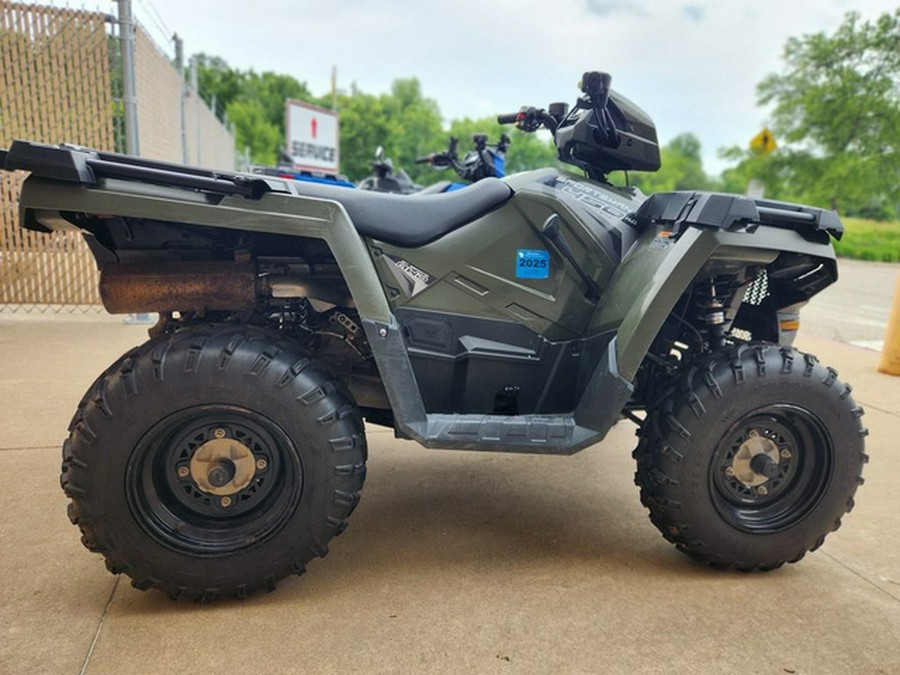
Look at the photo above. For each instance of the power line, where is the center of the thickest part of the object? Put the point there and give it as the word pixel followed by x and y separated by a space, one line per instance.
pixel 157 22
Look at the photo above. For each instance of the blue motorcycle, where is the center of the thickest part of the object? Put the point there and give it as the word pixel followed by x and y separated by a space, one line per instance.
pixel 484 161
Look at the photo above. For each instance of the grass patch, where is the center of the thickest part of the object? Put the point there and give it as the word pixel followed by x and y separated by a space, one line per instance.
pixel 869 240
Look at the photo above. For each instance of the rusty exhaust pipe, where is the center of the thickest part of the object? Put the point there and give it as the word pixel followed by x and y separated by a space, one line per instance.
pixel 176 286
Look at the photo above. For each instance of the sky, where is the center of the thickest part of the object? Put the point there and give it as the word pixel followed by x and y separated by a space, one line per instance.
pixel 693 65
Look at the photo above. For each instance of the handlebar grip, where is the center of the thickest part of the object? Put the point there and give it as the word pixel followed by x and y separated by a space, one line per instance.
pixel 424 160
pixel 508 118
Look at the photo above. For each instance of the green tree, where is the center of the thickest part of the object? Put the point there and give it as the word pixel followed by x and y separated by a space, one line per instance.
pixel 681 168
pixel 253 102
pixel 415 126
pixel 364 125
pixel 217 80
pixel 405 122
pixel 837 116
pixel 271 90
pixel 254 131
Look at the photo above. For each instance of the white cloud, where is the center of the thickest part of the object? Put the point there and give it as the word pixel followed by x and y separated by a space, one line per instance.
pixel 694 12
pixel 610 7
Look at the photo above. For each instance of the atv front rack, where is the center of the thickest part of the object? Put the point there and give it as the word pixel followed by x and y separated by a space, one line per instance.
pixel 678 210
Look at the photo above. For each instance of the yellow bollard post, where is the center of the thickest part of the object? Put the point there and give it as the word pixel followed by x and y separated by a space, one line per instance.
pixel 890 354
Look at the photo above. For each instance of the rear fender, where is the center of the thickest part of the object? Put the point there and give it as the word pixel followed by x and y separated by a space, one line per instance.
pixel 43 200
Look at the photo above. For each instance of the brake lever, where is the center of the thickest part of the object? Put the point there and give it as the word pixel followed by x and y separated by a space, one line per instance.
pixel 530 119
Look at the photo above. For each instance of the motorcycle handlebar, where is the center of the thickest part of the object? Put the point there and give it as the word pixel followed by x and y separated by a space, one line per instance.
pixel 441 159
pixel 509 118
pixel 438 160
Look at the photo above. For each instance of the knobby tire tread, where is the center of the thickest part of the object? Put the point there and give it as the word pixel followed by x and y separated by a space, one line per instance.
pixel 684 406
pixel 82 449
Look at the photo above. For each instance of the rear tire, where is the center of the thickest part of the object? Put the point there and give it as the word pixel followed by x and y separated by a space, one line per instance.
pixel 752 458
pixel 213 462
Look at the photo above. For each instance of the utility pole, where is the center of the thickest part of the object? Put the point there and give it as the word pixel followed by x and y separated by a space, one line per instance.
pixel 195 85
pixel 334 87
pixel 179 64
pixel 129 96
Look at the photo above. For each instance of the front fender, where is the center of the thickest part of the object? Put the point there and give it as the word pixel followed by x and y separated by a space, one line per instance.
pixel 661 267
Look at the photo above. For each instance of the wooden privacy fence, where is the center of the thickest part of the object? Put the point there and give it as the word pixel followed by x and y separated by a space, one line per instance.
pixel 54 87
pixel 57 86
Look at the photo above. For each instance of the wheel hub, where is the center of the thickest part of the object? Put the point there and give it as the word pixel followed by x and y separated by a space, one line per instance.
pixel 223 466
pixel 756 461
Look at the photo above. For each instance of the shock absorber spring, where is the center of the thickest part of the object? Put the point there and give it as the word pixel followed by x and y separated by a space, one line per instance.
pixel 712 302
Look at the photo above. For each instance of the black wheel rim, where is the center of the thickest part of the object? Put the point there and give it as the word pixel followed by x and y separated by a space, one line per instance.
pixel 804 469
pixel 181 513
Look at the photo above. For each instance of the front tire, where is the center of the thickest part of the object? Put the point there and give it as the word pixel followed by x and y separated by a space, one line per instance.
pixel 752 458
pixel 213 462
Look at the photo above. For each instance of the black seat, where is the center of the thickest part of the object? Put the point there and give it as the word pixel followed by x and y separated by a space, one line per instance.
pixel 412 221
pixel 397 219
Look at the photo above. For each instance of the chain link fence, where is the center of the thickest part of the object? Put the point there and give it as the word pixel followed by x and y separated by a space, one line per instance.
pixel 55 74
pixel 61 81
pixel 208 142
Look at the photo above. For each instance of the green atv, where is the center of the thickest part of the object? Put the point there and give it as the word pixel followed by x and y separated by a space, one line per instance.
pixel 528 314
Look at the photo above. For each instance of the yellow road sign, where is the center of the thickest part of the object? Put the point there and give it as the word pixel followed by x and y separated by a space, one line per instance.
pixel 763 143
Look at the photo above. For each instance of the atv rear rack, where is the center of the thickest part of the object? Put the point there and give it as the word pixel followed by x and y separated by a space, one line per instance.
pixel 75 164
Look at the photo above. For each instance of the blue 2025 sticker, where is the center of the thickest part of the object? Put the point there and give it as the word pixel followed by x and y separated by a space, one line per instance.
pixel 532 264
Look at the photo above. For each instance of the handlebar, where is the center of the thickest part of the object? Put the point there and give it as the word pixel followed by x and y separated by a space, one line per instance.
pixel 477 164
pixel 530 119
pixel 442 159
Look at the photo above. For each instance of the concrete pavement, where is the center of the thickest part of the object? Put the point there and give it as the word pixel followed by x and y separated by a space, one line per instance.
pixel 855 309
pixel 454 562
